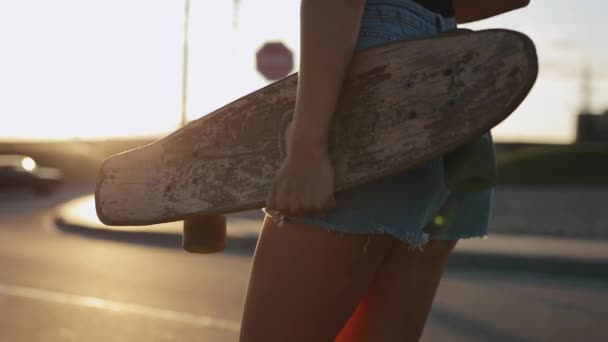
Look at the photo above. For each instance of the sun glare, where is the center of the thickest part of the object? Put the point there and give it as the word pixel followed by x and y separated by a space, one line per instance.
pixel 124 80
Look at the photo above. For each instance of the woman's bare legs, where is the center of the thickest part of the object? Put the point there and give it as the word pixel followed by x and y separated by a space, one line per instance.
pixel 306 281
pixel 398 302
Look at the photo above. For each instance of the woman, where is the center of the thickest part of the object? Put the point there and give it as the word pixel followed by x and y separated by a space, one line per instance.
pixel 343 266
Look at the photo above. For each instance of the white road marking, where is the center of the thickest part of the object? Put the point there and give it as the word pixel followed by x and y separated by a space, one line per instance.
pixel 119 307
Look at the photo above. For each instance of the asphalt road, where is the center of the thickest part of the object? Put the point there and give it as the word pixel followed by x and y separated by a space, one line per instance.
pixel 56 286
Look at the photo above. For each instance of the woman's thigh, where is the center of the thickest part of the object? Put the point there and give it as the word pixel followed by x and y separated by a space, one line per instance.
pixel 398 301
pixel 306 281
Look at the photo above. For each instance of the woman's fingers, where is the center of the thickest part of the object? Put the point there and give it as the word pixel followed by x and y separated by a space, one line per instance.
pixel 298 202
pixel 271 199
pixel 297 207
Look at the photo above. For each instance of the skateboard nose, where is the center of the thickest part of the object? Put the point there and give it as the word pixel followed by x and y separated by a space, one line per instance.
pixel 119 177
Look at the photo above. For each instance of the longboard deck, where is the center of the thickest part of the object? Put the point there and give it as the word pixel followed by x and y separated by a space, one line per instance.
pixel 402 103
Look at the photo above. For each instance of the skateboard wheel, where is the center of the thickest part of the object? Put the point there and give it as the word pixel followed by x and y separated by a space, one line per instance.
pixel 204 234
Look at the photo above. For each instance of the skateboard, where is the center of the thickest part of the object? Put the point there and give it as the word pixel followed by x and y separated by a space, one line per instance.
pixel 401 104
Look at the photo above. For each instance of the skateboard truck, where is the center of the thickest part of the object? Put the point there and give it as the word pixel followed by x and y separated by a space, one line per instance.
pixel 207 234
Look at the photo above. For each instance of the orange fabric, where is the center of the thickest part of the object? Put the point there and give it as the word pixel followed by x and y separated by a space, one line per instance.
pixel 354 326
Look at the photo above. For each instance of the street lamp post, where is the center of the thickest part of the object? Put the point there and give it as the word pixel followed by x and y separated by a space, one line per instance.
pixel 184 114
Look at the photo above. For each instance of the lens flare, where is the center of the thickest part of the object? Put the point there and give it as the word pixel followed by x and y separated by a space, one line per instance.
pixel 439 220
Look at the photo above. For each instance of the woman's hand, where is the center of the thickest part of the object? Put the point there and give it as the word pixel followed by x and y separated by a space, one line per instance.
pixel 304 184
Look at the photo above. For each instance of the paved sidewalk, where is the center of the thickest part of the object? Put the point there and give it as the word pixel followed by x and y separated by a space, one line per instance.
pixel 499 251
pixel 534 254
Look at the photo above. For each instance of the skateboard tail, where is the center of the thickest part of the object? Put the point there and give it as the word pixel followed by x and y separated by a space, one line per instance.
pixel 521 61
pixel 529 50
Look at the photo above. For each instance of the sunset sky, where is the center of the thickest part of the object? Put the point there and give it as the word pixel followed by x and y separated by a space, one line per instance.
pixel 97 69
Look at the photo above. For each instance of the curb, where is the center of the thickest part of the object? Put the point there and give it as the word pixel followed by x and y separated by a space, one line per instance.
pixel 461 257
pixel 149 238
pixel 531 264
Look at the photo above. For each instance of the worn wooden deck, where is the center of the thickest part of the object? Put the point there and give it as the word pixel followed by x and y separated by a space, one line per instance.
pixel 402 103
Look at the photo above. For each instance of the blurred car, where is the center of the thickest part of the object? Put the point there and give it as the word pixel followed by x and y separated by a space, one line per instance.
pixel 22 171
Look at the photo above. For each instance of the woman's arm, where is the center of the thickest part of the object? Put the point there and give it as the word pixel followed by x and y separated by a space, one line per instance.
pixel 329 30
pixel 304 184
pixel 472 10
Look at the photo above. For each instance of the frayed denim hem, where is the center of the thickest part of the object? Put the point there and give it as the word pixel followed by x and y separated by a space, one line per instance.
pixel 480 235
pixel 415 240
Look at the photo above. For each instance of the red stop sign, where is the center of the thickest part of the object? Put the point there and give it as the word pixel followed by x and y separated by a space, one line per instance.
pixel 274 60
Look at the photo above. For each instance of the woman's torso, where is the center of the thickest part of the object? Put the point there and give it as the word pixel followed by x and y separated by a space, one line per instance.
pixel 443 7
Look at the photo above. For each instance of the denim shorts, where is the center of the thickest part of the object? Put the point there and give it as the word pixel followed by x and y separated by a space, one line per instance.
pixel 414 206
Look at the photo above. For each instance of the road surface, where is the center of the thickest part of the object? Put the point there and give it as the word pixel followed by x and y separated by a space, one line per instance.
pixel 57 286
